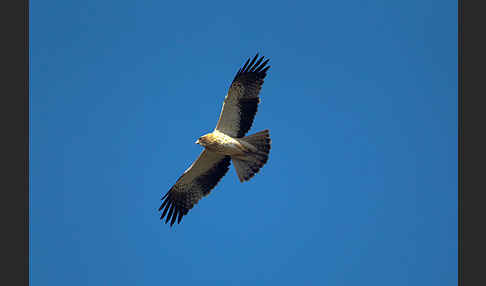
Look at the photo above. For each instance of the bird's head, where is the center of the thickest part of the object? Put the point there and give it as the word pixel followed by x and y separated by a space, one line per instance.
pixel 203 140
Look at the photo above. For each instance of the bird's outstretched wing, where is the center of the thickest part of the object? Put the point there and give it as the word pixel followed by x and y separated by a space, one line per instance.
pixel 196 182
pixel 241 103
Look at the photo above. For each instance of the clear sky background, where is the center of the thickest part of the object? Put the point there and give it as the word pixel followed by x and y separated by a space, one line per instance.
pixel 361 103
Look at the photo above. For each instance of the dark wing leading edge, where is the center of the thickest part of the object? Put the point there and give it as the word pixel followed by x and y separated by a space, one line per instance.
pixel 241 103
pixel 196 182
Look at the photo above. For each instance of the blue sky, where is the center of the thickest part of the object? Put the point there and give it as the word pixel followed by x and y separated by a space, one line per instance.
pixel 361 103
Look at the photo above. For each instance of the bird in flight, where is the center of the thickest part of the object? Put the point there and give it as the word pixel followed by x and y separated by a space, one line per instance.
pixel 225 144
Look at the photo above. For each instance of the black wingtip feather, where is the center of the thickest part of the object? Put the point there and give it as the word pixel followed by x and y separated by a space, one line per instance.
pixel 174 216
pixel 173 210
pixel 163 205
pixel 256 65
pixel 181 214
pixel 165 196
pixel 169 215
pixel 252 62
pixel 259 69
pixel 244 66
pixel 165 210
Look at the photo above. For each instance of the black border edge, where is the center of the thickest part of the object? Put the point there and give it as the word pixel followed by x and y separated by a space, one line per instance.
pixel 14 121
pixel 459 142
pixel 26 142
pixel 472 143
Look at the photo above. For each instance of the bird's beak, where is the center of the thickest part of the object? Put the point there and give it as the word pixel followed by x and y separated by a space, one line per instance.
pixel 197 141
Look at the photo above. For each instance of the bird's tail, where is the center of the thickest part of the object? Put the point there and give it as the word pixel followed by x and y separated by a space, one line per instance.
pixel 247 166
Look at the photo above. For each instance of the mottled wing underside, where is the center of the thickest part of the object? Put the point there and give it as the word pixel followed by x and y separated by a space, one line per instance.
pixel 241 103
pixel 196 182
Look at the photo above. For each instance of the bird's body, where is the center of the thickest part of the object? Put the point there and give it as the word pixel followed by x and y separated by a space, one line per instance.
pixel 225 144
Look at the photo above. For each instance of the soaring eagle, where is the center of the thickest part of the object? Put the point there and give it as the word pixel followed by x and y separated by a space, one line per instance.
pixel 225 144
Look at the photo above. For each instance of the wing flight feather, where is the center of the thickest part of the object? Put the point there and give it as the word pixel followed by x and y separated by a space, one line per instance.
pixel 241 103
pixel 196 182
